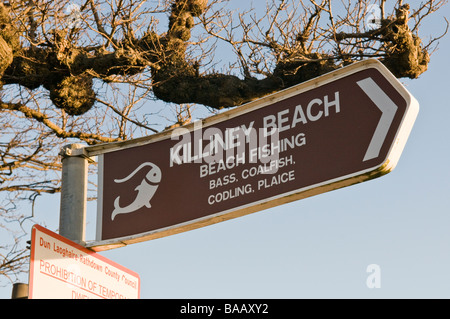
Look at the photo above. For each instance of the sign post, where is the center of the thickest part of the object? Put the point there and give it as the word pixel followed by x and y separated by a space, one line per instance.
pixel 72 218
pixel 339 129
pixel 62 269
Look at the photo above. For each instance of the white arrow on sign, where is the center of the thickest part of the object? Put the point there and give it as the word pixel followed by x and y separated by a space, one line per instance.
pixel 388 109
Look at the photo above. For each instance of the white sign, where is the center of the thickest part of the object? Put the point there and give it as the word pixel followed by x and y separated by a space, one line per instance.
pixel 62 269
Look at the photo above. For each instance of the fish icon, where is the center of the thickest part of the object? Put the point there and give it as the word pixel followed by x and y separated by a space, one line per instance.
pixel 146 189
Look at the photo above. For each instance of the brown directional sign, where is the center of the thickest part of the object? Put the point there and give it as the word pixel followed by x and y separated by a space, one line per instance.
pixel 340 129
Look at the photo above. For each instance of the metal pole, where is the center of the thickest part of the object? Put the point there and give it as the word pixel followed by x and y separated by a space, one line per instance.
pixel 19 291
pixel 73 193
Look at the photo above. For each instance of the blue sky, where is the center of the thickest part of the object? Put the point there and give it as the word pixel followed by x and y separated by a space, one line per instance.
pixel 320 247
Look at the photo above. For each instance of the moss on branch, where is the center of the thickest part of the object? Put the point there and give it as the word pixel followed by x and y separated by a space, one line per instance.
pixel 67 70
